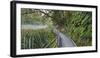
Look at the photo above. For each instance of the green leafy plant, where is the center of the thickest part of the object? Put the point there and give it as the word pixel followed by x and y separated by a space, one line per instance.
pixel 41 38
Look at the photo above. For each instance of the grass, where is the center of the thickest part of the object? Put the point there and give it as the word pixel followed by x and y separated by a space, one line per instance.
pixel 40 38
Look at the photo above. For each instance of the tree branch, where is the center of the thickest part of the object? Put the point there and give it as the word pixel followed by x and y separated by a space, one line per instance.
pixel 45 14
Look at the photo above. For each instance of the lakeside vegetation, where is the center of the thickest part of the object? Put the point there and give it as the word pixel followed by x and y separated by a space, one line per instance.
pixel 41 38
pixel 75 24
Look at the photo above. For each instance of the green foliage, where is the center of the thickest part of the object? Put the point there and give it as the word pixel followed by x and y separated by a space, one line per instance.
pixel 41 38
pixel 31 16
pixel 58 18
pixel 80 28
pixel 75 24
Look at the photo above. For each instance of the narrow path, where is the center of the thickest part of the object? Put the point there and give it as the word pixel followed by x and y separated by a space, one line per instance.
pixel 63 40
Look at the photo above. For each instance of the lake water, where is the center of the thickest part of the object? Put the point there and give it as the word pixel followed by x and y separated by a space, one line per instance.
pixel 28 26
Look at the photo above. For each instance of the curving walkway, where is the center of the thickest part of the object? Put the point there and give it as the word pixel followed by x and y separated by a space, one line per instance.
pixel 63 41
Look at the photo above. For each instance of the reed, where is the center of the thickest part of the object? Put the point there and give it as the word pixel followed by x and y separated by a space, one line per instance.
pixel 40 38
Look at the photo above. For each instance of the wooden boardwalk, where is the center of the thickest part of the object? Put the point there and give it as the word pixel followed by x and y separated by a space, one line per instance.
pixel 63 40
